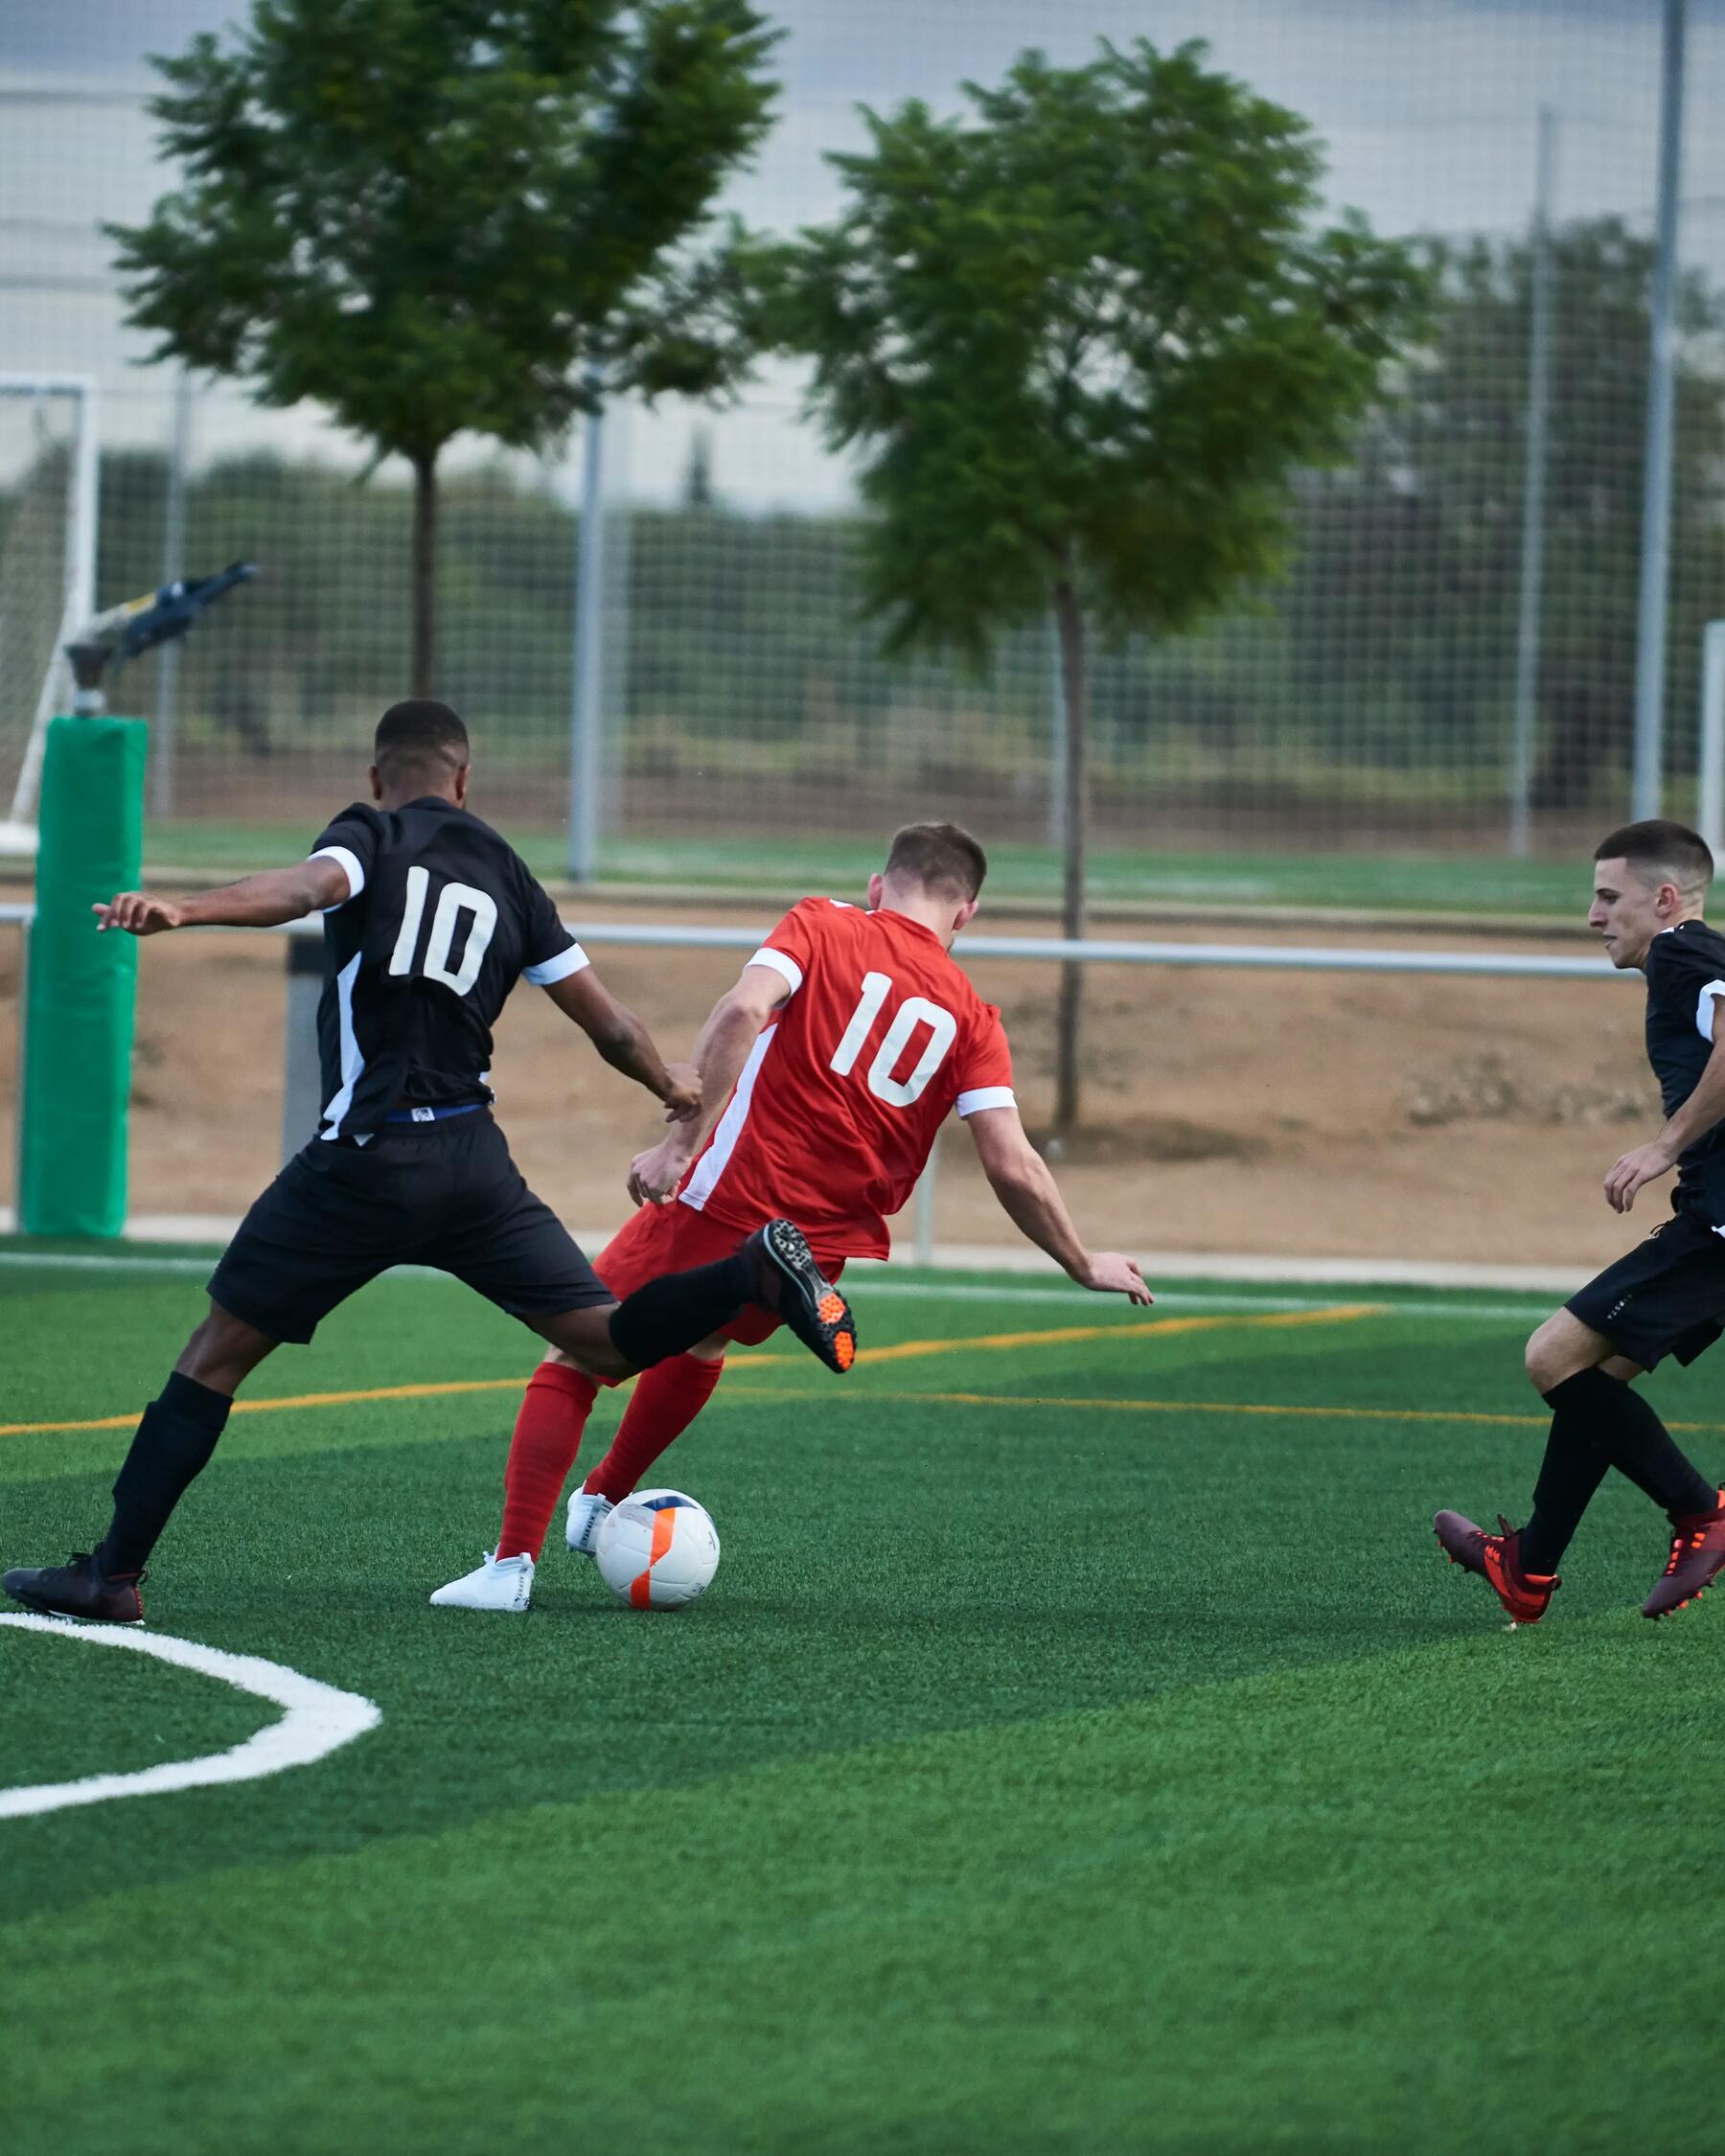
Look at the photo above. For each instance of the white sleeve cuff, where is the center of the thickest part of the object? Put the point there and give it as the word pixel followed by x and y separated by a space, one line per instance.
pixel 560 968
pixel 349 863
pixel 780 964
pixel 985 1096
pixel 1704 1008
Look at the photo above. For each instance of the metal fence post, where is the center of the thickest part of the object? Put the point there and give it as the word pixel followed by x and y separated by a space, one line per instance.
pixel 26 919
pixel 165 735
pixel 1656 496
pixel 1533 492
pixel 301 1090
pixel 1710 810
pixel 586 707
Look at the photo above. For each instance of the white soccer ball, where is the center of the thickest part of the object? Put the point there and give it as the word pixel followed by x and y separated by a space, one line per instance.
pixel 658 1549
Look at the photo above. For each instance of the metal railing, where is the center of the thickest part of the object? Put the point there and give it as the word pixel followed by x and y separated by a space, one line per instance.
pixel 1090 950
pixel 301 1098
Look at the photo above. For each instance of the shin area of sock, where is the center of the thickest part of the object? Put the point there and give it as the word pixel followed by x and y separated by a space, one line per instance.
pixel 172 1447
pixel 547 1439
pixel 665 1401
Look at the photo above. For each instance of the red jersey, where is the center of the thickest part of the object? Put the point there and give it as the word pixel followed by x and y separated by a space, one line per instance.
pixel 835 1113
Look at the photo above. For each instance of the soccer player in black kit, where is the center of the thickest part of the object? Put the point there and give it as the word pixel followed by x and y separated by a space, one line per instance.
pixel 1667 1296
pixel 429 918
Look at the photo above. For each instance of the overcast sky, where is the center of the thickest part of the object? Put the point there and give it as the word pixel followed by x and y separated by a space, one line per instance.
pixel 1428 107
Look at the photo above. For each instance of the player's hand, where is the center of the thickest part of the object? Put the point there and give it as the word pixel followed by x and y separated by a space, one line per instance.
pixel 138 914
pixel 1645 1164
pixel 655 1175
pixel 682 1102
pixel 1109 1273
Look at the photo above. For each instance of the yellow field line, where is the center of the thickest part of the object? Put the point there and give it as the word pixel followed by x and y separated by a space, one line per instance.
pixel 904 1351
pixel 296 1400
pixel 1185 1406
pixel 1341 1314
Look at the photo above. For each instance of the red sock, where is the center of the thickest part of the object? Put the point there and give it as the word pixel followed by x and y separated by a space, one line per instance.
pixel 547 1437
pixel 666 1399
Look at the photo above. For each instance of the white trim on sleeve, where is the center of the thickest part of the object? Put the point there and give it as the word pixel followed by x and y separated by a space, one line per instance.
pixel 985 1096
pixel 1704 1008
pixel 780 964
pixel 349 863
pixel 560 968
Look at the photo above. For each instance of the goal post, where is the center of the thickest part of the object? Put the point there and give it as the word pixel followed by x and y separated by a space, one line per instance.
pixel 48 520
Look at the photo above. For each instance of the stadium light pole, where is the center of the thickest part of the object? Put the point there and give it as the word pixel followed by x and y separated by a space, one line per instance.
pixel 1656 491
pixel 585 714
pixel 1533 491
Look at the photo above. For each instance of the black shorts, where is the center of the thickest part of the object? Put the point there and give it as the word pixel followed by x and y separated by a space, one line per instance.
pixel 445 1194
pixel 1666 1297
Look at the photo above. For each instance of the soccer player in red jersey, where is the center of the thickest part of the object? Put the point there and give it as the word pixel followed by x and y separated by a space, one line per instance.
pixel 850 1037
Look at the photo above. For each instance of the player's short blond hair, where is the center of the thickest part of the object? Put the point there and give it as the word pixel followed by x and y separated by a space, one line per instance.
pixel 940 857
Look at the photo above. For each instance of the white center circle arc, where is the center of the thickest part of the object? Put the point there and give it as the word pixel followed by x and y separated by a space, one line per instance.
pixel 318 1719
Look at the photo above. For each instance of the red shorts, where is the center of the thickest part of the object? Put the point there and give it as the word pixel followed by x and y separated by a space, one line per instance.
pixel 675 1238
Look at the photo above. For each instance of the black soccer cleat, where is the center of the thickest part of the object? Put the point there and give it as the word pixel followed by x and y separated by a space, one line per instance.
pixel 791 1283
pixel 80 1589
pixel 1697 1559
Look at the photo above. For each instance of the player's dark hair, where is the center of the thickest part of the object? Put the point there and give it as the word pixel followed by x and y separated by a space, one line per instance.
pixel 1671 851
pixel 420 734
pixel 940 857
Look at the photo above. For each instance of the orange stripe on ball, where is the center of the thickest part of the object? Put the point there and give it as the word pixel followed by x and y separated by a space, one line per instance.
pixel 664 1528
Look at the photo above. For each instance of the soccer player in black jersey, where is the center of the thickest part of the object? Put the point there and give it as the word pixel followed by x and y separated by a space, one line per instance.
pixel 1667 1296
pixel 429 918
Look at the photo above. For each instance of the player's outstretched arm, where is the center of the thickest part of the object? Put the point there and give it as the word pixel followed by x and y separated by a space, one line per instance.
pixel 256 902
pixel 1699 1113
pixel 1022 1179
pixel 624 1041
pixel 722 1049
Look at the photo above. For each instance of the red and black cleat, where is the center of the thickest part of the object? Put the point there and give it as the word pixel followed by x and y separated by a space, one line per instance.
pixel 1698 1558
pixel 793 1284
pixel 1497 1560
pixel 80 1589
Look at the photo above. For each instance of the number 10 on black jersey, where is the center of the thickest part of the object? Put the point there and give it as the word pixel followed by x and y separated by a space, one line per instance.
pixel 454 902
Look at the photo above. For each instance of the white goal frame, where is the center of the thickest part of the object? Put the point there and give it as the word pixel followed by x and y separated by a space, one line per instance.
pixel 17 831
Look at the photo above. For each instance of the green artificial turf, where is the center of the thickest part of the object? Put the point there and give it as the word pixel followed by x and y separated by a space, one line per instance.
pixel 1392 881
pixel 1042 1772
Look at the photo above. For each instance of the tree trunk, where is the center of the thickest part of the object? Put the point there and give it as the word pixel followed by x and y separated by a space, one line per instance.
pixel 1069 617
pixel 425 574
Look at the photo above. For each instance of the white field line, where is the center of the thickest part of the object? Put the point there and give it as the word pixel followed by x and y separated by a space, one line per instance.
pixel 318 1719
pixel 872 1286
pixel 1301 1275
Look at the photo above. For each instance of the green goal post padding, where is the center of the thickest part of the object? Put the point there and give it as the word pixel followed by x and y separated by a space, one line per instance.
pixel 81 991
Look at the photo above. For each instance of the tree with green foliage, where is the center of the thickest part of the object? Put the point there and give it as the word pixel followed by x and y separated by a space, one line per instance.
pixel 1085 336
pixel 438 217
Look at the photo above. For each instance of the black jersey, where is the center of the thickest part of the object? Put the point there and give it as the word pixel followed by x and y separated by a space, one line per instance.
pixel 441 919
pixel 1685 967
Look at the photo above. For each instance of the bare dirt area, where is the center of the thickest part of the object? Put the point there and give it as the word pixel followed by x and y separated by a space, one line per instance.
pixel 1230 1112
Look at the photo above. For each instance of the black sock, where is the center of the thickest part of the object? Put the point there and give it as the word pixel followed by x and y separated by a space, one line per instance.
pixel 1571 1472
pixel 1614 1417
pixel 679 1310
pixel 170 1449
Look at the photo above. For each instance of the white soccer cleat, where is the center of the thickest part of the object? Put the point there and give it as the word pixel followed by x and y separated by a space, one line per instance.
pixel 587 1516
pixel 499 1584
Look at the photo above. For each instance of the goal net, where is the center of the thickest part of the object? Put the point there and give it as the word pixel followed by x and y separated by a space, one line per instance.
pixel 47 572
